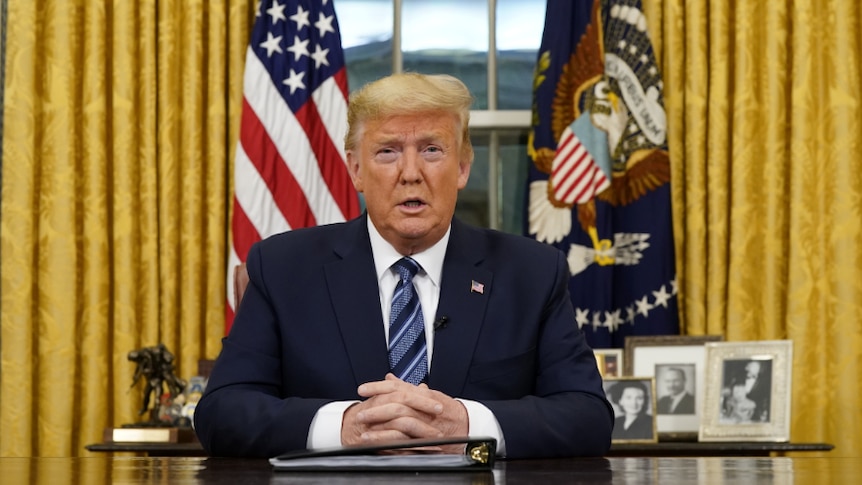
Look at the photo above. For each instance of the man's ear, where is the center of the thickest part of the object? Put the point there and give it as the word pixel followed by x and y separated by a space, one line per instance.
pixel 353 170
pixel 463 173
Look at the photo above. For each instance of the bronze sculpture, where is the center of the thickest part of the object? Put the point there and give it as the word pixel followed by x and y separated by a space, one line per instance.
pixel 156 365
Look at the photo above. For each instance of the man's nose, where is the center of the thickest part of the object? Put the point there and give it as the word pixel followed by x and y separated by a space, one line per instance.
pixel 411 168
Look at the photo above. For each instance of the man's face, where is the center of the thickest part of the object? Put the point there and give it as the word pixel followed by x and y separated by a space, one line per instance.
pixel 410 168
pixel 674 381
pixel 752 369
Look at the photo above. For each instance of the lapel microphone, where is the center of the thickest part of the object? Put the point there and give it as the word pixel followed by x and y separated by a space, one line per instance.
pixel 441 323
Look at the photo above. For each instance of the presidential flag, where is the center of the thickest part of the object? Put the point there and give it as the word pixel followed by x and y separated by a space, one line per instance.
pixel 599 181
pixel 289 169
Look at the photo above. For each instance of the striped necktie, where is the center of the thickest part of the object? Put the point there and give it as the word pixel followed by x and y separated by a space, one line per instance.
pixel 408 355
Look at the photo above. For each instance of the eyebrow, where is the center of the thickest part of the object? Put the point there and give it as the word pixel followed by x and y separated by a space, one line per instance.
pixel 424 137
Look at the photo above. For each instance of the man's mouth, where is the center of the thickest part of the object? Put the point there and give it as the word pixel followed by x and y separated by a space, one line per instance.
pixel 412 203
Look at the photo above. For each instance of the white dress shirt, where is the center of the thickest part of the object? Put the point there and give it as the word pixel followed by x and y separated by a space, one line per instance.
pixel 325 429
pixel 674 401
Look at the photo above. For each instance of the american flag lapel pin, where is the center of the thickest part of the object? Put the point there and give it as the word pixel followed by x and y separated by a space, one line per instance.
pixel 476 287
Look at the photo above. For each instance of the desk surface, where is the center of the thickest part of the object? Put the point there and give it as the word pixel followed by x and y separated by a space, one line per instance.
pixel 618 449
pixel 105 469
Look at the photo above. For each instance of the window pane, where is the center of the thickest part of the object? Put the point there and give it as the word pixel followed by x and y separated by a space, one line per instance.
pixel 519 34
pixel 472 204
pixel 448 36
pixel 513 180
pixel 366 35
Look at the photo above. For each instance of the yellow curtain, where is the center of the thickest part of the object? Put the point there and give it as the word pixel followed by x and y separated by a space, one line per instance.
pixel 765 118
pixel 118 126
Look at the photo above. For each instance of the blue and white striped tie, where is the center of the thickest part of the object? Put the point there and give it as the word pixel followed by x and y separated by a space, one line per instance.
pixel 408 354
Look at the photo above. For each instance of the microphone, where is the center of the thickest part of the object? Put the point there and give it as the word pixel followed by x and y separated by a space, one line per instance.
pixel 441 323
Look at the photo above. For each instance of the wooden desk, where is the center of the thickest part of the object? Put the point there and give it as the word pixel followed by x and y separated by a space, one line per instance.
pixel 680 448
pixel 628 449
pixel 105 469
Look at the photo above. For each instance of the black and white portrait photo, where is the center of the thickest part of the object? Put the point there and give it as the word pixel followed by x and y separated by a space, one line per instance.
pixel 746 391
pixel 633 402
pixel 675 386
pixel 610 362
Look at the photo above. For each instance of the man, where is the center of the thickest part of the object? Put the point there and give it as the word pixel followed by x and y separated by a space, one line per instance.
pixel 311 358
pixel 677 400
pixel 758 388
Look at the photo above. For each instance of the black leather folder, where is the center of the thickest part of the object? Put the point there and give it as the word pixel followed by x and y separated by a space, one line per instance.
pixel 409 455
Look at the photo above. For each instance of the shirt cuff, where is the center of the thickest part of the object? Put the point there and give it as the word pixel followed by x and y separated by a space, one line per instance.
pixel 325 429
pixel 484 423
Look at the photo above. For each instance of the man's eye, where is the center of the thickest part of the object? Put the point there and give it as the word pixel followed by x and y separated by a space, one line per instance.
pixel 386 155
pixel 432 153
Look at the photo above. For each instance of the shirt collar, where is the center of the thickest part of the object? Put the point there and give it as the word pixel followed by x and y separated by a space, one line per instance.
pixel 431 260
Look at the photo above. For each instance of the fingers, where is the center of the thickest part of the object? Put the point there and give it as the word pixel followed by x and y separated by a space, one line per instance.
pixel 366 422
pixel 390 383
pixel 400 428
pixel 394 390
pixel 373 414
pixel 397 410
pixel 453 420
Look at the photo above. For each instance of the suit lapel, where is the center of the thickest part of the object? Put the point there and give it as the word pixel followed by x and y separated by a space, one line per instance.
pixel 356 301
pixel 463 306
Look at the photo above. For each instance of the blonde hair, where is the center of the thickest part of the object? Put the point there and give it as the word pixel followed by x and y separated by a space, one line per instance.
pixel 410 93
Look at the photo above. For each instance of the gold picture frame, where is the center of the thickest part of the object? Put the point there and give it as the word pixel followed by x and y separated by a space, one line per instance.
pixel 678 364
pixel 610 361
pixel 748 391
pixel 642 428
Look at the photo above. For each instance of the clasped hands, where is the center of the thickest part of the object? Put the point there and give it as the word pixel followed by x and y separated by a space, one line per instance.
pixel 398 410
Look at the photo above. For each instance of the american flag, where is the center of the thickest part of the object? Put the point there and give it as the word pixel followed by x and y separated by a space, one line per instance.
pixel 289 169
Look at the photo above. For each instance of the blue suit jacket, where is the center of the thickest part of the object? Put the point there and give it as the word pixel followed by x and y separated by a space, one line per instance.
pixel 309 331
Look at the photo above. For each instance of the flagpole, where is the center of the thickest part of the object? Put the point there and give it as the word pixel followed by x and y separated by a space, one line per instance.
pixel 397 57
pixel 494 141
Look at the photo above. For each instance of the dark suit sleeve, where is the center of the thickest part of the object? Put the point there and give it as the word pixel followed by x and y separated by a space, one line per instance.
pixel 246 409
pixel 565 413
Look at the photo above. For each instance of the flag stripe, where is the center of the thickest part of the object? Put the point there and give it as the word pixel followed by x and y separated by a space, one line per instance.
pixel 331 102
pixel 253 195
pixel 334 174
pixel 266 159
pixel 586 188
pixel 244 231
pixel 575 177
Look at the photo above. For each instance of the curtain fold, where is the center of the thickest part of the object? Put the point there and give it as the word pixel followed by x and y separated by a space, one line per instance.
pixel 120 120
pixel 118 126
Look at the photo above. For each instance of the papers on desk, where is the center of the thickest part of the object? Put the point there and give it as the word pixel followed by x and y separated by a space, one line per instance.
pixel 376 461
pixel 478 455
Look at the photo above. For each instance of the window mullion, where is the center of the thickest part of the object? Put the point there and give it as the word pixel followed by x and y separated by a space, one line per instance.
pixel 494 209
pixel 397 55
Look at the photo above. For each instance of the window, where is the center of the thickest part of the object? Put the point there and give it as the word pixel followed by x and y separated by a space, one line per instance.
pixel 452 37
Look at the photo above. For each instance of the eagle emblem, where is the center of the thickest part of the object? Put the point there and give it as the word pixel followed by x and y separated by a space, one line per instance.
pixel 610 128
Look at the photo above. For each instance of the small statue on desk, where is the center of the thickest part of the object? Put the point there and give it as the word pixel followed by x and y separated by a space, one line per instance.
pixel 156 366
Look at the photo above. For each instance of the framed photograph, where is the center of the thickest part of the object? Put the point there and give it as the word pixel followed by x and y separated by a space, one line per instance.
pixel 610 362
pixel 633 399
pixel 678 364
pixel 747 391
